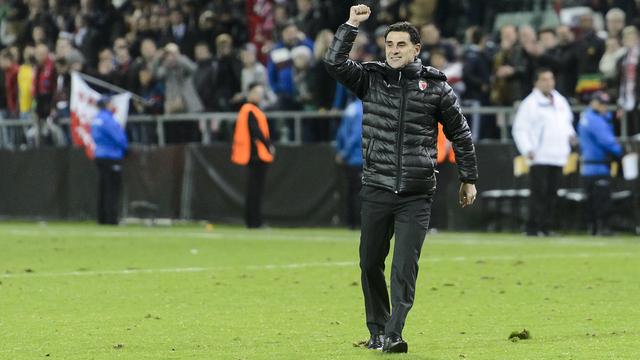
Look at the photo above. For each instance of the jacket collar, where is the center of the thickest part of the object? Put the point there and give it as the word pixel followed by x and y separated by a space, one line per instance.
pixel 410 71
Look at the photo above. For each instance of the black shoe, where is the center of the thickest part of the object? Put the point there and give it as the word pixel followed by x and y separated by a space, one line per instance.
pixel 376 342
pixel 395 344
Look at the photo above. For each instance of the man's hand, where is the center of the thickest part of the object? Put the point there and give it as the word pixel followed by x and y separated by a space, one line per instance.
pixel 358 14
pixel 467 194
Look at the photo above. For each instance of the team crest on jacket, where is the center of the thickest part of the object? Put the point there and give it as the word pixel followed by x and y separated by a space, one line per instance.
pixel 422 85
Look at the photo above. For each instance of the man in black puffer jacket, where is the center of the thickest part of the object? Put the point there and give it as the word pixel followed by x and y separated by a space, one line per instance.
pixel 403 103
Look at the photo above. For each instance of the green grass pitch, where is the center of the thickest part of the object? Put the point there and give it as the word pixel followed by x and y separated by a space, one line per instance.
pixel 79 291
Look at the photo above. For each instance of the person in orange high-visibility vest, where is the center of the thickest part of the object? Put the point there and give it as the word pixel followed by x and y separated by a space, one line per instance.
pixel 252 148
pixel 445 149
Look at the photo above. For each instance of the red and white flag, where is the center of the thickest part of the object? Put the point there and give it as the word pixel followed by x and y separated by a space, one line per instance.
pixel 84 110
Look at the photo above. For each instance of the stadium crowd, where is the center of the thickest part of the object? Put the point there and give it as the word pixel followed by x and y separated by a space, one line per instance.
pixel 201 55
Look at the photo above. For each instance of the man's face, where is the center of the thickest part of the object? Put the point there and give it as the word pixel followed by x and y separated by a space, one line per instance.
pixel 586 23
pixel 430 34
pixel 148 49
pixel 546 82
pixel 201 53
pixel 615 23
pixel 290 35
pixel 599 107
pixel 548 40
pixel 399 49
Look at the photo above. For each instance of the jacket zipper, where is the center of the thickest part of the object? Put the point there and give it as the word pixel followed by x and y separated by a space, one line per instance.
pixel 403 104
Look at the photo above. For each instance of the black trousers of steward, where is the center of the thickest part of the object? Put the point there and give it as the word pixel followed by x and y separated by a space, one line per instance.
pixel 544 185
pixel 109 184
pixel 383 215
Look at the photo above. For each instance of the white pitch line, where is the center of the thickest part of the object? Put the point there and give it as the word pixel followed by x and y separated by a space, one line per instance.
pixel 308 265
pixel 275 235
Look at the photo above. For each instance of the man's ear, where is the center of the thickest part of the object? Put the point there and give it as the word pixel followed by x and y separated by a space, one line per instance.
pixel 416 49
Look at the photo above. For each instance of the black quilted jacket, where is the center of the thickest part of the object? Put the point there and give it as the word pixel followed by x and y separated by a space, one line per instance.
pixel 401 112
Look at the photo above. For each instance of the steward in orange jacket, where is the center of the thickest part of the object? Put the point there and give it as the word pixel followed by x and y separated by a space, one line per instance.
pixel 252 148
pixel 251 137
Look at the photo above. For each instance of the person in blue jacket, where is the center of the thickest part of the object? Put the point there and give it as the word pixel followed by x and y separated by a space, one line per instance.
pixel 111 147
pixel 349 154
pixel 599 147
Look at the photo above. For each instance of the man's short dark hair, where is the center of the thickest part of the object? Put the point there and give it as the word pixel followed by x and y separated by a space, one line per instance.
pixel 404 26
pixel 540 71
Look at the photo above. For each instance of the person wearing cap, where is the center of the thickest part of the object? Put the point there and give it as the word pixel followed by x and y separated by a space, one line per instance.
pixel 543 132
pixel 599 147
pixel 110 149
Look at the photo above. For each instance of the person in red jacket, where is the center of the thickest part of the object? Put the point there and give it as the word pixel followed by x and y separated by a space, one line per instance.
pixel 10 67
pixel 252 148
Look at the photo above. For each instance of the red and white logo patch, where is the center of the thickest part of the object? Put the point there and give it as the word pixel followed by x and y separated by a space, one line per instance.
pixel 422 85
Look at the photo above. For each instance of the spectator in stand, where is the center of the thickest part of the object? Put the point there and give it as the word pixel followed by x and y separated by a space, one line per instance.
pixel 39 36
pixel 106 69
pixel 309 18
pixel 550 54
pixel 302 80
pixel 122 61
pixel 180 34
pixel 476 74
pixel 26 75
pixel 205 77
pixel 280 65
pixel 254 72
pixel 509 69
pixel 431 41
pixel 629 79
pixel 452 70
pixel 528 42
pixel 378 34
pixel 228 89
pixel 207 31
pixel 616 20
pixel 568 77
pixel 176 71
pixel 146 59
pixel 609 64
pixel 10 67
pixel 324 86
pixel 586 58
pixel 63 47
pixel 153 93
pixel 44 81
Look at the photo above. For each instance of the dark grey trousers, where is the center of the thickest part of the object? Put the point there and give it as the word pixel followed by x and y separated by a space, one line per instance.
pixel 384 213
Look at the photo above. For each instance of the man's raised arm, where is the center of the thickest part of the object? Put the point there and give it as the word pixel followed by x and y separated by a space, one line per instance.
pixel 348 72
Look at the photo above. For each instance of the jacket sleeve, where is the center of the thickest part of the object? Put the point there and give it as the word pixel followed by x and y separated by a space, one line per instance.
pixel 456 129
pixel 521 130
pixel 350 73
pixel 117 134
pixel 603 135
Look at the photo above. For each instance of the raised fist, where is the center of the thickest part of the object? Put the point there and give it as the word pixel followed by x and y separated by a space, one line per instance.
pixel 358 14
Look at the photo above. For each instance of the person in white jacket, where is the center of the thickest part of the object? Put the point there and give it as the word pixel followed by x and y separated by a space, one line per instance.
pixel 543 131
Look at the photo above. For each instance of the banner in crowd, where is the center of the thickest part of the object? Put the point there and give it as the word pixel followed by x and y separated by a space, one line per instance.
pixel 84 110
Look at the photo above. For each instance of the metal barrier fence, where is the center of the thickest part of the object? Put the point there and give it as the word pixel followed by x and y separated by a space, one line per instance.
pixel 284 121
